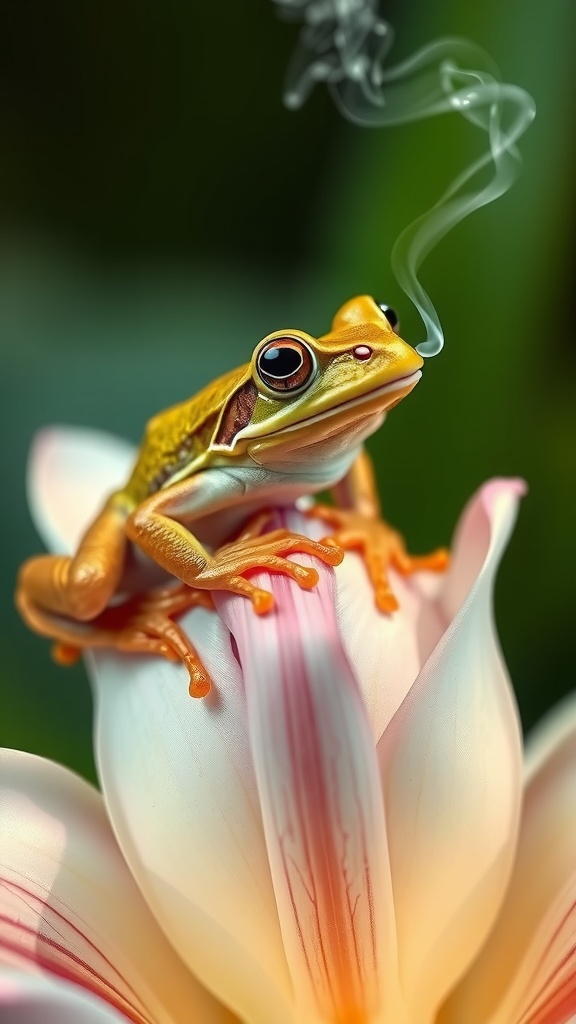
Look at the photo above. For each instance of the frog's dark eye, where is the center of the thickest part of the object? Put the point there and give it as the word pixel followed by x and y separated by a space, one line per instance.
pixel 391 315
pixel 285 364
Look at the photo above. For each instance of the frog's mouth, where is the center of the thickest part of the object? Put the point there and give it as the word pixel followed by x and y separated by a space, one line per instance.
pixel 394 390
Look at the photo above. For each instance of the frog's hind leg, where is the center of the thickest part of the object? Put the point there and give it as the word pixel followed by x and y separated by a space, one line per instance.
pixel 57 595
pixel 72 637
pixel 147 621
pixel 81 586
pixel 68 600
pixel 140 625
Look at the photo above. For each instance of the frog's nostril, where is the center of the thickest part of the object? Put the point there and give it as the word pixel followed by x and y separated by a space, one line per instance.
pixel 362 352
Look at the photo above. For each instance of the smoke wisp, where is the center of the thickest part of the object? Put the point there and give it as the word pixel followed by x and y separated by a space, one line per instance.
pixel 344 43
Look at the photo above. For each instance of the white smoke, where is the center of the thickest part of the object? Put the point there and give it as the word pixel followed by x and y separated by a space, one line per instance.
pixel 344 43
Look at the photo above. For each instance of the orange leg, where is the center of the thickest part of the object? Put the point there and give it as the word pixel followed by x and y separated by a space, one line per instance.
pixel 143 625
pixel 358 527
pixel 157 527
pixel 79 588
pixel 67 600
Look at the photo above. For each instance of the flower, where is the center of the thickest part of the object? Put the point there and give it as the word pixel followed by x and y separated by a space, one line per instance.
pixel 337 833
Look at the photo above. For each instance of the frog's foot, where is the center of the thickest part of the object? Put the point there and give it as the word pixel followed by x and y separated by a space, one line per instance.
pixel 380 547
pixel 149 627
pixel 140 625
pixel 252 552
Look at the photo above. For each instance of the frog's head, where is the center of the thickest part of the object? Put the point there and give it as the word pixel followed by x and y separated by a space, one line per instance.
pixel 299 391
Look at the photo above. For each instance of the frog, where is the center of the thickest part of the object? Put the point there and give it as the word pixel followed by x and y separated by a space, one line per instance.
pixel 276 431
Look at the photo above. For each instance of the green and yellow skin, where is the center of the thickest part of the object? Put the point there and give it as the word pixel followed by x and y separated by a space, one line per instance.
pixel 289 423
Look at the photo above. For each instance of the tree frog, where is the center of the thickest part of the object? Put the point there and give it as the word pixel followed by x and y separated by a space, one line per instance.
pixel 289 423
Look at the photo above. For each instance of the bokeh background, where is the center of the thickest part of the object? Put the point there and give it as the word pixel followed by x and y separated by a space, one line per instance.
pixel 160 211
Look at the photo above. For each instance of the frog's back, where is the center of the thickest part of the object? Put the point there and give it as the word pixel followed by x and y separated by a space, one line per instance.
pixel 180 436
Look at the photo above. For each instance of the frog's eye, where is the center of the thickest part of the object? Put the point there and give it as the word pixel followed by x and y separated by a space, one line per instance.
pixel 391 316
pixel 285 364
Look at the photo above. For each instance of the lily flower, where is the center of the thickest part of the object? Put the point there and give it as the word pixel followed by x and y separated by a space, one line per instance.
pixel 342 832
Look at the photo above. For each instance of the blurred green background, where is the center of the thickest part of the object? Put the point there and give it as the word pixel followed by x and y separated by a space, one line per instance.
pixel 160 212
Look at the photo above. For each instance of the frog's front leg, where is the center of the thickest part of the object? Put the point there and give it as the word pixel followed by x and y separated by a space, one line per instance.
pixel 358 526
pixel 158 527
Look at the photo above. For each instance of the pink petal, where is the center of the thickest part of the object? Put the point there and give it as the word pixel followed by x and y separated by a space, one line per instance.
pixel 472 540
pixel 68 905
pixel 451 775
pixel 527 972
pixel 70 473
pixel 317 778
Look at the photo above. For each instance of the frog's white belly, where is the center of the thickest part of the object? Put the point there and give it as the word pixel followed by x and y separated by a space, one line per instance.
pixel 229 495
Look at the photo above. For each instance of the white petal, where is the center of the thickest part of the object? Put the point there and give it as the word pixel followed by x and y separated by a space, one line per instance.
pixel 179 787
pixel 549 735
pixel 318 782
pixel 70 473
pixel 41 1000
pixel 196 892
pixel 386 651
pixel 69 904
pixel 527 971
pixel 451 777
